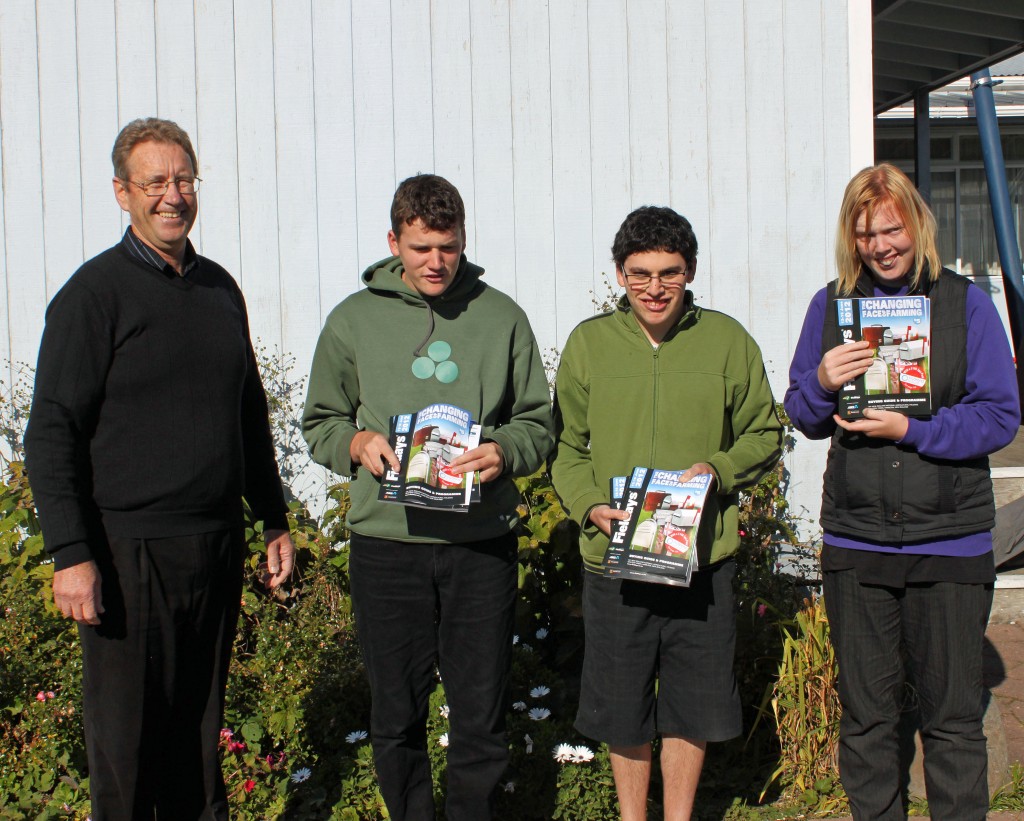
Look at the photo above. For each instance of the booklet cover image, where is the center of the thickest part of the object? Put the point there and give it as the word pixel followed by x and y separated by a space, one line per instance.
pixel 658 541
pixel 426 444
pixel 898 329
pixel 616 552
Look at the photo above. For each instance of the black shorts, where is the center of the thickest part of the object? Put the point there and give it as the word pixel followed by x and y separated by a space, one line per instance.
pixel 685 638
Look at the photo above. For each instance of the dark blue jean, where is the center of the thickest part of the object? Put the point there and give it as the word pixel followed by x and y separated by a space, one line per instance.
pixel 418 606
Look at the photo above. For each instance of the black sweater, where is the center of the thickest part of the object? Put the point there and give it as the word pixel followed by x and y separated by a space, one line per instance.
pixel 148 414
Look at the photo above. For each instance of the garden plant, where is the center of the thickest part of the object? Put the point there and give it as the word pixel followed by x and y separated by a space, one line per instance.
pixel 295 742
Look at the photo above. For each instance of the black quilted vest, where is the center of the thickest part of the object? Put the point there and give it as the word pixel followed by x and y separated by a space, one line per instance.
pixel 883 492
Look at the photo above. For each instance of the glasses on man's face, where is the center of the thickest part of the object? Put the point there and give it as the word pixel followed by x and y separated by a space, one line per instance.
pixel 157 188
pixel 640 281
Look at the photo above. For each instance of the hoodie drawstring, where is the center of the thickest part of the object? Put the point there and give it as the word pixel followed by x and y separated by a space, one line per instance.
pixel 430 332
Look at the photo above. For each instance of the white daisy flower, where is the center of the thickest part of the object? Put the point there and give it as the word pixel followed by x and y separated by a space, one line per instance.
pixel 356 735
pixel 581 754
pixel 443 710
pixel 519 706
pixel 563 753
pixel 542 633
pixel 443 740
pixel 301 774
pixel 515 639
pixel 527 648
pixel 539 692
pixel 510 786
pixel 529 743
pixel 539 713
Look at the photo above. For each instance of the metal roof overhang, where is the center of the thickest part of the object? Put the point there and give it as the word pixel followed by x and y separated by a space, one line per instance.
pixel 926 44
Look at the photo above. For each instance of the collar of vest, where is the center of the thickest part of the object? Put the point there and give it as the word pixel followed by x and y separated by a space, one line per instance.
pixel 866 283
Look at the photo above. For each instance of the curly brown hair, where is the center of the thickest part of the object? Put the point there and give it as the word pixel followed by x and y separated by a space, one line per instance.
pixel 430 198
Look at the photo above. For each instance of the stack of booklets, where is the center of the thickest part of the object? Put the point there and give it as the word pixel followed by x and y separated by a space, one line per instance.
pixel 426 443
pixel 898 329
pixel 658 541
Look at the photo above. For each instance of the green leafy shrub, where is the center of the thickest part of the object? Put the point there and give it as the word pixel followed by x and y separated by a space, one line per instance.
pixel 294 744
pixel 42 756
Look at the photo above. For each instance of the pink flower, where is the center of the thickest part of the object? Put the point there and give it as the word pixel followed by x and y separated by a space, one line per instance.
pixel 236 747
pixel 226 734
pixel 50 694
pixel 40 696
pixel 762 609
pixel 249 785
pixel 743 533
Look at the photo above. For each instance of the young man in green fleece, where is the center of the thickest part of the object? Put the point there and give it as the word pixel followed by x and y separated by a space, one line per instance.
pixel 660 382
pixel 431 587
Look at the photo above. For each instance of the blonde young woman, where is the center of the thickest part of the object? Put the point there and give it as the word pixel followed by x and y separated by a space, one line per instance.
pixel 907 507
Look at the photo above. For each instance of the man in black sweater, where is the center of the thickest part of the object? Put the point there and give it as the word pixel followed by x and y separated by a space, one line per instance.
pixel 148 425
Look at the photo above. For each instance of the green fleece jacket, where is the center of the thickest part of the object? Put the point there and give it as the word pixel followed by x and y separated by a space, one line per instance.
pixel 700 396
pixel 362 375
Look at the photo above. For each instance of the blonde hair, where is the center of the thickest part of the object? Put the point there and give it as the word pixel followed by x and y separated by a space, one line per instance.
pixel 874 188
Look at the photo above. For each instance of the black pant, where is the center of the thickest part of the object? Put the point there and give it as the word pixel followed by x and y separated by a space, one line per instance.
pixel 417 605
pixel 154 675
pixel 940 627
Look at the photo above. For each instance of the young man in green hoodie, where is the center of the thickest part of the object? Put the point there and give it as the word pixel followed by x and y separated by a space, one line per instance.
pixel 662 383
pixel 431 588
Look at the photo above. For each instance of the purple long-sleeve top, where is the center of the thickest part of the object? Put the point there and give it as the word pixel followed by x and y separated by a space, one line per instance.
pixel 985 420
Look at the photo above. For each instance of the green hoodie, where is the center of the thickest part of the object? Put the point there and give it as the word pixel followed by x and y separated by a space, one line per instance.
pixel 700 396
pixel 362 375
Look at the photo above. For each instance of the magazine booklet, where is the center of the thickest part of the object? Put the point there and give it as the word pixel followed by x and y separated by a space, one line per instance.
pixel 898 328
pixel 426 443
pixel 616 553
pixel 657 542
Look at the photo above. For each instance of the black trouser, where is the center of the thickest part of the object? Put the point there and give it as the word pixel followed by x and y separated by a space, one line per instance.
pixel 421 605
pixel 154 675
pixel 941 628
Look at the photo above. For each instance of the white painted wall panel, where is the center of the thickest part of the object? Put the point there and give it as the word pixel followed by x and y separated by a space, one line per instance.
pixel 23 201
pixel 811 211
pixel 554 119
pixel 608 70
pixel 766 185
pixel 412 89
pixel 176 62
pixel 647 55
pixel 491 229
pixel 259 177
pixel 98 121
pixel 377 132
pixel 531 155
pixel 60 163
pixel 728 260
pixel 573 290
pixel 216 135
pixel 137 55
pixel 334 209
pixel 296 158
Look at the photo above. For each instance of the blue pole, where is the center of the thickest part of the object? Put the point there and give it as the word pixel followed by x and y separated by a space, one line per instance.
pixel 1002 216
